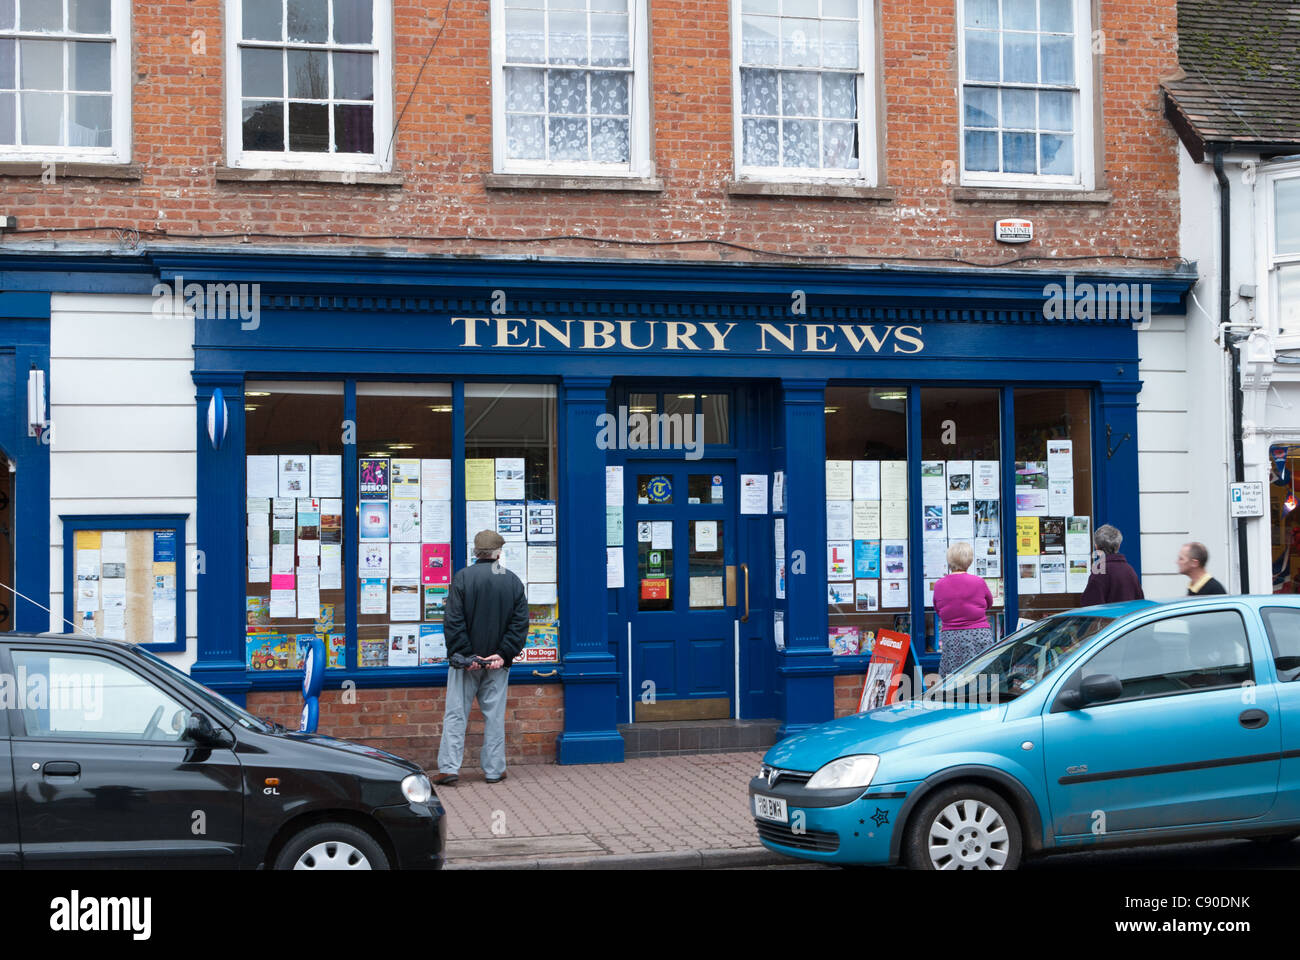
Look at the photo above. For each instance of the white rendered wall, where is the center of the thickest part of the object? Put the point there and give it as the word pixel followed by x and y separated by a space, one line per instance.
pixel 122 405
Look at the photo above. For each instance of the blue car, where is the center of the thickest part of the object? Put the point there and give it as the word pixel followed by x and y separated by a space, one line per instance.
pixel 1114 725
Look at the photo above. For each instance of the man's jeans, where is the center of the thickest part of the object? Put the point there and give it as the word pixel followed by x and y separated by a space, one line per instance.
pixel 490 686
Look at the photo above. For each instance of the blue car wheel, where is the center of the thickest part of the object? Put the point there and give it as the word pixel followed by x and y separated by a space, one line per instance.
pixel 963 827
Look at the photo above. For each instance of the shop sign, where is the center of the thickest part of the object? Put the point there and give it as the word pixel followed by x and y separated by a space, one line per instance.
pixel 1246 499
pixel 654 589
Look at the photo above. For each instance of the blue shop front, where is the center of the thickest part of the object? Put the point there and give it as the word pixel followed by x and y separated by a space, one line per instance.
pixel 719 482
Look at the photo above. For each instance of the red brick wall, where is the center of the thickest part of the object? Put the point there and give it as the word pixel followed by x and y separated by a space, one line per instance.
pixel 408 721
pixel 444 147
pixel 848 691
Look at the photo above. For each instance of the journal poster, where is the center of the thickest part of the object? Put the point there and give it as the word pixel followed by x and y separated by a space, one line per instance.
pixel 372 478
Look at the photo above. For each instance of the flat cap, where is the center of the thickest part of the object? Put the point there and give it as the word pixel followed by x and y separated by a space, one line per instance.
pixel 488 540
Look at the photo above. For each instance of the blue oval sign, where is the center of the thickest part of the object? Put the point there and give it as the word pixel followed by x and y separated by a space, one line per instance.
pixel 659 490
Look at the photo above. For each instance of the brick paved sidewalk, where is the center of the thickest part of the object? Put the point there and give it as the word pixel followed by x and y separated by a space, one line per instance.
pixel 599 814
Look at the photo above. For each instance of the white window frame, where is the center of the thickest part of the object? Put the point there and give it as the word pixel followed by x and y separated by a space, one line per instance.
pixel 381 161
pixel 1084 132
pixel 1268 259
pixel 639 165
pixel 867 172
pixel 120 87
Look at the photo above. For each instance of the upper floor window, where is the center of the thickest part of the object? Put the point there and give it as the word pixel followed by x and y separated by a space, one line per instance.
pixel 309 84
pixel 1282 260
pixel 65 80
pixel 805 109
pixel 570 87
pixel 1026 93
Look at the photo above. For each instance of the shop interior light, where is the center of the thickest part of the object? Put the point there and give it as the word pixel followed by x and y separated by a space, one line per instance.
pixel 892 395
pixel 257 393
pixel 642 410
pixel 832 409
pixel 400 446
pixel 441 408
pixel 250 407
pixel 685 396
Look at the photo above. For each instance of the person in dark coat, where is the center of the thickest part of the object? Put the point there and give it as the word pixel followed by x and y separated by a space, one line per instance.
pixel 1112 579
pixel 486 619
pixel 1192 559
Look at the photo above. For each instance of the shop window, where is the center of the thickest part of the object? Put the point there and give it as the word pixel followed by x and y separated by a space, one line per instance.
pixel 571 86
pixel 675 420
pixel 65 84
pixel 1280 265
pixel 866 515
pixel 511 486
pixel 805 104
pixel 309 83
pixel 1026 92
pixel 125 578
pixel 404 510
pixel 294 434
pixel 1053 499
pixel 961 492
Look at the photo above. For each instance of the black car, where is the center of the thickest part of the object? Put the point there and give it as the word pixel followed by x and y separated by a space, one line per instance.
pixel 111 757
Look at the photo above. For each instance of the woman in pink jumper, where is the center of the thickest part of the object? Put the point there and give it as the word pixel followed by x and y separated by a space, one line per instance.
pixel 962 601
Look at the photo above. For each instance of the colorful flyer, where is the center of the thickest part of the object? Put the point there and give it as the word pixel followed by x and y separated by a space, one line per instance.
pixel 374 595
pixel 435 563
pixel 839 560
pixel 866 559
pixel 1027 536
pixel 844 641
pixel 404 481
pixel 403 645
pixel 373 519
pixel 433 644
pixel 373 478
pixel 435 602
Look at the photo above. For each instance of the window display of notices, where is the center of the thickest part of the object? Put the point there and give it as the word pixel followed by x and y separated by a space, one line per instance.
pixel 934 484
pixel 1078 536
pixel 125 585
pixel 866 480
pixel 866 526
pixel 839 519
pixel 1051 537
pixel 866 595
pixel 960 481
pixel 373 479
pixel 435 521
pixel 480 515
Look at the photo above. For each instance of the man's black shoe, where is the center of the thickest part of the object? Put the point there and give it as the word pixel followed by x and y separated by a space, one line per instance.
pixel 497 780
pixel 445 780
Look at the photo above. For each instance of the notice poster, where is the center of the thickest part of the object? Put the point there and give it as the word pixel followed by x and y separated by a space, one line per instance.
pixel 934 521
pixel 839 519
pixel 839 479
pixel 988 518
pixel 1051 573
pixel 706 536
pixel 661 535
pixel 960 480
pixel 372 653
pixel 543 563
pixel 372 478
pixel 866 596
pixel 866 479
pixel 893 519
pixel 893 594
pixel 934 559
pixel 1031 488
pixel 753 493
pixel 894 555
pixel 1060 460
pixel 1060 498
pixel 511 519
pixel 308 593
pixel 780 577
pixel 1051 535
pixel 880 687
pixel 510 478
pixel 405 603
pixel 893 480
pixel 403 646
pixel 433 644
pixel 404 561
pixel 405 521
pixel 778 536
pixel 281 558
pixel 435 521
pixel 985 477
pixel 372 559
pixel 1078 536
pixel 541 521
pixel 934 485
pixel 1027 574
pixel 514 557
pixel 613 526
pixel 928 586
pixel 373 519
pixel 435 601
pixel 480 515
pixel 614 568
pixel 404 479
pixel 839 561
pixel 1076 574
pixel 866 559
pixel 326 476
pixel 435 563
pixel 1027 536
pixel 295 476
pixel 481 479
pixel 262 477
pixel 331 521
pixel 613 486
pixel 866 519
pixel 331 566
pixel 839 594
pixel 961 520
pixel 435 479
pixel 374 595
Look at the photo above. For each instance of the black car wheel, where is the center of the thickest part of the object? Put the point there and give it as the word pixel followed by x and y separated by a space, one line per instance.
pixel 963 827
pixel 332 846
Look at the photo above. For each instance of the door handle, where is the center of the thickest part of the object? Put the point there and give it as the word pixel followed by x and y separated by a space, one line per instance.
pixel 745 569
pixel 62 768
pixel 1253 719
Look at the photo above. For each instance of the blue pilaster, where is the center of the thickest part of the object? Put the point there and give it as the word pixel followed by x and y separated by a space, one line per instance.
pixel 1117 460
pixel 590 671
pixel 805 669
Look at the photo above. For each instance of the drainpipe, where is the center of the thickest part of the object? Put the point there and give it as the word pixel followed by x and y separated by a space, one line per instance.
pixel 1229 342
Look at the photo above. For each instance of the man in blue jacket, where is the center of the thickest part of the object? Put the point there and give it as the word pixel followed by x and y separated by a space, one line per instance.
pixel 486 620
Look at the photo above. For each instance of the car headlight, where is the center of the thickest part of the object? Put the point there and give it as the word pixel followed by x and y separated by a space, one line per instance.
pixel 845 772
pixel 417 789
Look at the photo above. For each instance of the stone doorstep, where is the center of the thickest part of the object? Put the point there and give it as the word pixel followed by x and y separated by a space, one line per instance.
pixel 667 860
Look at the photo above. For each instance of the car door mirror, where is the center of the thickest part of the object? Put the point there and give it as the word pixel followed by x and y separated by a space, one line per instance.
pixel 1101 687
pixel 1070 700
pixel 203 731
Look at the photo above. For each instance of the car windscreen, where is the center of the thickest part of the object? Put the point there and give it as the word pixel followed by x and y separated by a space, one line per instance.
pixel 1012 667
pixel 211 697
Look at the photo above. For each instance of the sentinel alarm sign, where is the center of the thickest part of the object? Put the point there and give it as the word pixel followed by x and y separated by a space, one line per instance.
pixel 1013 230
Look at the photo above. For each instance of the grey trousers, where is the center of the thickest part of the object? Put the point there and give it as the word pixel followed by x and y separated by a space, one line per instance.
pixel 490 686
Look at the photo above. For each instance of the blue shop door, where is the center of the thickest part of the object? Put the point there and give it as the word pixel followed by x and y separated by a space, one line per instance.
pixel 679 555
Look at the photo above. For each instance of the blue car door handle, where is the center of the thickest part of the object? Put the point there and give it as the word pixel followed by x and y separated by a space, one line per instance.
pixel 1253 719
pixel 62 768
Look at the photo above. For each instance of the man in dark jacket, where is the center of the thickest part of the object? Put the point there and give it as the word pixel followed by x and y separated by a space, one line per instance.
pixel 1112 579
pixel 486 619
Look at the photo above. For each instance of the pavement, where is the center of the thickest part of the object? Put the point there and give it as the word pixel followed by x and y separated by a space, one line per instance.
pixel 675 812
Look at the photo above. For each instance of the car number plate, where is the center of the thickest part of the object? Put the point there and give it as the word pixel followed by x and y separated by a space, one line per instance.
pixel 770 808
